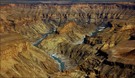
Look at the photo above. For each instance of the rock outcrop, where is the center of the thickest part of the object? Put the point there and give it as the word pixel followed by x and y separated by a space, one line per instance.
pixel 123 52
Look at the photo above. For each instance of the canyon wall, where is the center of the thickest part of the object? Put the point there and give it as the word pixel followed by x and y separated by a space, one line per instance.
pixel 40 18
pixel 20 59
pixel 93 40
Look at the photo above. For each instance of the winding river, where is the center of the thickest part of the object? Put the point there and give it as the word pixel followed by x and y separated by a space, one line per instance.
pixel 61 64
pixel 99 29
pixel 59 61
pixel 54 56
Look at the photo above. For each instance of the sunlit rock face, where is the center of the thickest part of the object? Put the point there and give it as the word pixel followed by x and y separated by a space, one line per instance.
pixel 88 40
pixel 123 52
pixel 20 59
pixel 115 53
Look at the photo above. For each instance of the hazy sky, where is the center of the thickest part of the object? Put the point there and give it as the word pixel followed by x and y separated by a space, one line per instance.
pixel 14 1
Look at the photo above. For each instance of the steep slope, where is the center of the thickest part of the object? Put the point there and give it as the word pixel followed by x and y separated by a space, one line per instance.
pixel 123 52
pixel 20 59
pixel 115 51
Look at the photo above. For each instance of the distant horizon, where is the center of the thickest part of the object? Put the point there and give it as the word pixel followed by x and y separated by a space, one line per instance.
pixel 62 1
pixel 72 1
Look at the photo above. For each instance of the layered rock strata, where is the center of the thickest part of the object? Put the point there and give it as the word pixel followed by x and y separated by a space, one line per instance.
pixel 18 58
pixel 93 40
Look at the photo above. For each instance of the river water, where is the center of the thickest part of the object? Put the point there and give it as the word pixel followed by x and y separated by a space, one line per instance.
pixel 54 56
pixel 61 64
pixel 36 43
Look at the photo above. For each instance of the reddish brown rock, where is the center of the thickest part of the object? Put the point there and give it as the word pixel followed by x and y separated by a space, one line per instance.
pixel 18 58
pixel 124 52
pixel 23 24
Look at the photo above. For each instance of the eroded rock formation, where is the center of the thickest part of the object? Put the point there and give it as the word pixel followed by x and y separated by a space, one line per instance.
pixel 20 59
pixel 92 40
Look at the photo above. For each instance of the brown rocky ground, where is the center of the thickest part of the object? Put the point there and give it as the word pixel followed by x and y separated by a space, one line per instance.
pixel 20 59
pixel 93 40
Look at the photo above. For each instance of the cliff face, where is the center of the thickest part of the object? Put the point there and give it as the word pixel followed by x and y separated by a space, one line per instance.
pixel 115 52
pixel 92 40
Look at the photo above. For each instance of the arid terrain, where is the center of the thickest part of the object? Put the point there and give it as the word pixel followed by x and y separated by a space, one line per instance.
pixel 80 40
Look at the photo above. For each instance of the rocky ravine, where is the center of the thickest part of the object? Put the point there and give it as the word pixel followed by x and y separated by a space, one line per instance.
pixel 90 40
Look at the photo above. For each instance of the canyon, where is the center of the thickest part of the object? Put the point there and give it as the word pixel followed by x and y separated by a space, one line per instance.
pixel 80 40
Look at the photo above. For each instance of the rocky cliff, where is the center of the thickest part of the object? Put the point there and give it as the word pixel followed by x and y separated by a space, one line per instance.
pixel 91 40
